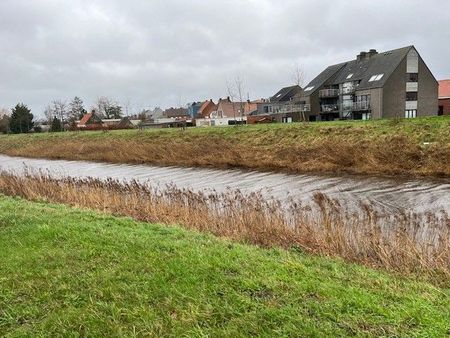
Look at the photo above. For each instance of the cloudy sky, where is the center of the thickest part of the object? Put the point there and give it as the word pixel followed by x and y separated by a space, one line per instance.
pixel 163 53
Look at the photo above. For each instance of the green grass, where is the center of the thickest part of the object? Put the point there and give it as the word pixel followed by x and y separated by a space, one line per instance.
pixel 425 129
pixel 69 272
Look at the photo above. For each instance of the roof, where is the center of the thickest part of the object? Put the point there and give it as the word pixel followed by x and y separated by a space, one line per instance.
pixel 176 112
pixel 85 119
pixel 361 70
pixel 203 109
pixel 286 94
pixel 444 89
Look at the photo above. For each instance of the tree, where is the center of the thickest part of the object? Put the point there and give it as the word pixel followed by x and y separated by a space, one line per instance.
pixel 60 111
pixel 107 108
pixel 113 112
pixel 76 109
pixel 4 120
pixel 235 90
pixel 4 124
pixel 298 75
pixel 21 120
pixel 48 112
pixel 56 125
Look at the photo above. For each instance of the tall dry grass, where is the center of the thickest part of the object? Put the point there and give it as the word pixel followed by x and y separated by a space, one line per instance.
pixel 333 149
pixel 405 243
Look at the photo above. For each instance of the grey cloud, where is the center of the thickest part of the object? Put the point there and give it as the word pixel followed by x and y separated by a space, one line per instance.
pixel 156 52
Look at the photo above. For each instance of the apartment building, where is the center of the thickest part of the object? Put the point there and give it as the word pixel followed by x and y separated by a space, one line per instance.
pixel 395 83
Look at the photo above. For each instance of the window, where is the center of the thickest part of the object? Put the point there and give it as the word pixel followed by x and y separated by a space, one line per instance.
pixel 349 76
pixel 412 77
pixel 411 96
pixel 411 114
pixel 309 88
pixel 376 77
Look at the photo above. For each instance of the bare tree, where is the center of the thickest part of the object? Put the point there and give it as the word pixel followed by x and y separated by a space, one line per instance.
pixel 236 91
pixel 239 85
pixel 59 108
pixel 127 107
pixel 231 94
pixel 3 112
pixel 108 108
pixel 48 112
pixel 298 75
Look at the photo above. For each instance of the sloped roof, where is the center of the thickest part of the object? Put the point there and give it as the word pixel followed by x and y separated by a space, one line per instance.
pixel 444 89
pixel 362 70
pixel 207 104
pixel 87 117
pixel 176 112
pixel 286 94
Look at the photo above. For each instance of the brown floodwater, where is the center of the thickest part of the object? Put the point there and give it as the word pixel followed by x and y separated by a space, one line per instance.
pixel 389 195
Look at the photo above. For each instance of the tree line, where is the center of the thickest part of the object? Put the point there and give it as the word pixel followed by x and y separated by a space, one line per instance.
pixel 60 115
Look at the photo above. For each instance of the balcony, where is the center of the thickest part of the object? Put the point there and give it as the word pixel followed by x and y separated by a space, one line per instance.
pixel 294 108
pixel 328 93
pixel 361 106
pixel 329 108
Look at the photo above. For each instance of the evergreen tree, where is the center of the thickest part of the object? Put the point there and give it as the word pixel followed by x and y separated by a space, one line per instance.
pixel 56 125
pixel 76 109
pixel 21 120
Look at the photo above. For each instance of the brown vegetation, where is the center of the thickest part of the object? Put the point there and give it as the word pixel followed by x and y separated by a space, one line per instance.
pixel 387 147
pixel 406 243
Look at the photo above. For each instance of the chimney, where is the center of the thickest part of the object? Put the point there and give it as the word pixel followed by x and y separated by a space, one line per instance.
pixel 372 52
pixel 361 56
pixel 366 55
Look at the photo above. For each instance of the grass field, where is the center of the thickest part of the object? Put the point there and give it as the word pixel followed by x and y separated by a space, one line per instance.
pixel 409 147
pixel 68 272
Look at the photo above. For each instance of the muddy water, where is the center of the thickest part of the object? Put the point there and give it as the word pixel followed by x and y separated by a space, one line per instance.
pixel 386 194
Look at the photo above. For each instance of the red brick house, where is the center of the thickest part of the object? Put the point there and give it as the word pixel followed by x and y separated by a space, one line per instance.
pixel 90 120
pixel 444 97
pixel 206 109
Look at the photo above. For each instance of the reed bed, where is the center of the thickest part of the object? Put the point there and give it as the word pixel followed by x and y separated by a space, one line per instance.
pixel 407 243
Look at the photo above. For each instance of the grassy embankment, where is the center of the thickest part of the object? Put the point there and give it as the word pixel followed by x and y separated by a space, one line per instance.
pixel 409 147
pixel 416 245
pixel 69 272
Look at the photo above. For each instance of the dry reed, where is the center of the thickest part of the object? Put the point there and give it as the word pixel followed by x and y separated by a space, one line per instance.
pixel 406 243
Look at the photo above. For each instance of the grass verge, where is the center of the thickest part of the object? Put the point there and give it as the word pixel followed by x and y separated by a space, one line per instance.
pixel 407 147
pixel 407 243
pixel 70 272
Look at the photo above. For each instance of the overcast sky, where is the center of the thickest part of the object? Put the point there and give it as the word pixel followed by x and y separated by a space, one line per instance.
pixel 160 53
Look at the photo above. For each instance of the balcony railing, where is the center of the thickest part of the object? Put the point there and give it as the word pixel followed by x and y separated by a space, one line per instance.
pixel 294 108
pixel 329 93
pixel 329 108
pixel 361 105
